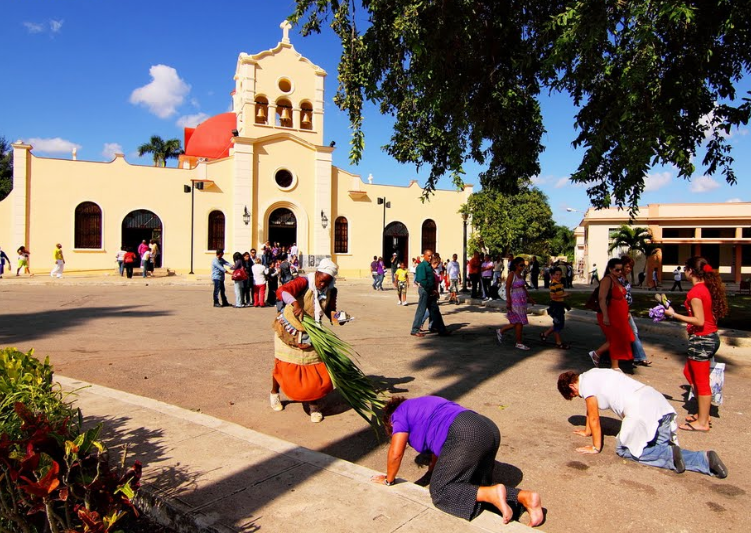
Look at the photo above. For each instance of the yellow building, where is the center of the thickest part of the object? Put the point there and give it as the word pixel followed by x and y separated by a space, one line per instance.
pixel 720 232
pixel 259 173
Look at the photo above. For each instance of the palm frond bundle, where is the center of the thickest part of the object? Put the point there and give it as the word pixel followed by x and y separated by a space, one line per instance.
pixel 354 386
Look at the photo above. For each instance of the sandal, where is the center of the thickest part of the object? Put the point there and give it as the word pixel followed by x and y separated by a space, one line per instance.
pixel 692 418
pixel 643 362
pixel 563 346
pixel 689 427
pixel 520 346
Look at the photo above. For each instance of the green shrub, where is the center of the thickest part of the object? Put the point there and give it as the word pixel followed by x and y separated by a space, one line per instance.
pixel 53 476
pixel 27 380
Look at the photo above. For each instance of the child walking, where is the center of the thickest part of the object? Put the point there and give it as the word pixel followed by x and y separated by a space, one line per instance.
pixel 557 309
pixel 401 282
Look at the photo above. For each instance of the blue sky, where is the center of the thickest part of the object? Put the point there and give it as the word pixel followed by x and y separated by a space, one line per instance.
pixel 104 76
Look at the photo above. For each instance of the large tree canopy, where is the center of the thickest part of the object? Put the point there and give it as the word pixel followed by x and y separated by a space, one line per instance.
pixel 652 81
pixel 516 223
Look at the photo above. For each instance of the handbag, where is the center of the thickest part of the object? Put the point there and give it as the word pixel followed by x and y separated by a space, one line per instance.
pixel 239 275
pixel 593 302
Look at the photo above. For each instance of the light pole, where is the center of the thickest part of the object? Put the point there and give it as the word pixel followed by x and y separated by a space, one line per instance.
pixel 191 189
pixel 465 216
pixel 382 201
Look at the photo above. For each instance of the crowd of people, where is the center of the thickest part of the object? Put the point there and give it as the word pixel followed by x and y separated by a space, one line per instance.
pixel 255 276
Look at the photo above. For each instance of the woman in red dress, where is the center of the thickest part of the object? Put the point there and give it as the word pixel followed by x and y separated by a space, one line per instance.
pixel 613 315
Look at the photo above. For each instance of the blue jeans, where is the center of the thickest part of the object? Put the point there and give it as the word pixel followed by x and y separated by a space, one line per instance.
pixel 379 281
pixel 375 279
pixel 660 454
pixel 219 290
pixel 636 346
pixel 427 302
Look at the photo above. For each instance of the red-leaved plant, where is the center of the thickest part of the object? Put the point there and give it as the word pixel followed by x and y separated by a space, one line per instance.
pixel 58 479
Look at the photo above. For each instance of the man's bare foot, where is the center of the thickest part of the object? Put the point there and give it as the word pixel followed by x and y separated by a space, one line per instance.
pixel 533 504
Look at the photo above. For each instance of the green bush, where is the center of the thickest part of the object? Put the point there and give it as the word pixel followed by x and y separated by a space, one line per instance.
pixel 53 476
pixel 27 380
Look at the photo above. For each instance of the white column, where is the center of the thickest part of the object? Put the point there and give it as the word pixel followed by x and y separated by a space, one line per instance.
pixel 242 196
pixel 321 245
pixel 20 194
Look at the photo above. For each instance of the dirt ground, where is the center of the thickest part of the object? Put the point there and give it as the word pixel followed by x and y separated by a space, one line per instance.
pixel 167 342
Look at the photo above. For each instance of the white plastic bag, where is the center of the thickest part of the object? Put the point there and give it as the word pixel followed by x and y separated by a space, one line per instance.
pixel 716 382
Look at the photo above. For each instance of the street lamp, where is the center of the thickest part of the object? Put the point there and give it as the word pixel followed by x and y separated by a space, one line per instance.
pixel 191 189
pixel 382 201
pixel 246 216
pixel 324 220
pixel 465 216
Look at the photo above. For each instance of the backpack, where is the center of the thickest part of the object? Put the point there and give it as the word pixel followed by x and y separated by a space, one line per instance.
pixel 593 302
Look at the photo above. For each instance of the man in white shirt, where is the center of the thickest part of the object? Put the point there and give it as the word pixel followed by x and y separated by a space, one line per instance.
pixel 677 279
pixel 452 269
pixel 648 429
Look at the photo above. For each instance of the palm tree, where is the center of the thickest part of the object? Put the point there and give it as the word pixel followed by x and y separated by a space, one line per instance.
pixel 635 240
pixel 161 150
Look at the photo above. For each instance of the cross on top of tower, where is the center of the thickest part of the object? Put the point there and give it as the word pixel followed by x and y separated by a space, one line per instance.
pixel 285 26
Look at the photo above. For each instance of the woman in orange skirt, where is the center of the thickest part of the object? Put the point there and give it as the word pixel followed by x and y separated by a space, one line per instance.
pixel 613 315
pixel 298 370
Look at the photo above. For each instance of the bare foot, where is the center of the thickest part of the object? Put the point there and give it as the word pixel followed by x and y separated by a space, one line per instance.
pixel 533 504
pixel 502 504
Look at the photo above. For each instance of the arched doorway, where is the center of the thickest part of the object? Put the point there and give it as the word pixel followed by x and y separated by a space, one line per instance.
pixel 282 227
pixel 142 225
pixel 396 239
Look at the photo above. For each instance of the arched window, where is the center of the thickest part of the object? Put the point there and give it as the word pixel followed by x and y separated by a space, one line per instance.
pixel 306 116
pixel 88 226
pixel 341 236
pixel 216 231
pixel 283 113
pixel 262 110
pixel 428 235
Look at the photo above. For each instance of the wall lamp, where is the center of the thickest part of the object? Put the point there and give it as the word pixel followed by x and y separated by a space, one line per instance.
pixel 324 220
pixel 246 216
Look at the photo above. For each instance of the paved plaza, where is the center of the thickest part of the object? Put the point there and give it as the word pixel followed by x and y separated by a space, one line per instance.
pixel 160 338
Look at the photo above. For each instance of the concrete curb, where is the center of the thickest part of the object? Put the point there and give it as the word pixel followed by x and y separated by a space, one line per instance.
pixel 184 518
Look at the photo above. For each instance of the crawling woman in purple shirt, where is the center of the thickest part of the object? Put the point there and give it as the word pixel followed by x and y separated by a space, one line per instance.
pixel 464 445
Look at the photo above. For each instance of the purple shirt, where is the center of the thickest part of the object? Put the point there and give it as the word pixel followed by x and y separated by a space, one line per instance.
pixel 427 420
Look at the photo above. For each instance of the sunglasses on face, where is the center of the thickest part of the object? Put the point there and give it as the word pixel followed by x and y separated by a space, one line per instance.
pixel 617 270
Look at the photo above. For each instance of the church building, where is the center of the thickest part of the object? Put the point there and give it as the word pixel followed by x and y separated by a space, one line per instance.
pixel 262 172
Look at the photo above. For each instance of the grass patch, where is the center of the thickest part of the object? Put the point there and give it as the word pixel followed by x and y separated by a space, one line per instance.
pixel 739 317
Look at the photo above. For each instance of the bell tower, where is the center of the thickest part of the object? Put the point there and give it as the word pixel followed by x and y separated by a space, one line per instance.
pixel 279 90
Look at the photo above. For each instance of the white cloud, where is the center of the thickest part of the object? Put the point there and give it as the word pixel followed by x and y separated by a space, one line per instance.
pixel 562 182
pixel 110 149
pixel 191 121
pixel 55 146
pixel 34 27
pixel 657 180
pixel 733 200
pixel 52 26
pixel 703 184
pixel 165 92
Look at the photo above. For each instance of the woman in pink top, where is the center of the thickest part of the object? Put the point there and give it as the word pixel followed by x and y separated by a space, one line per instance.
pixel 705 303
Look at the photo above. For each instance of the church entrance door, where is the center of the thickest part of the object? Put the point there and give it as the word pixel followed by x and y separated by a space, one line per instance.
pixel 142 225
pixel 396 240
pixel 282 227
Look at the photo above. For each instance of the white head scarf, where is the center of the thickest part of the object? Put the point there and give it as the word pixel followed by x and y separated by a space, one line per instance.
pixel 326 266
